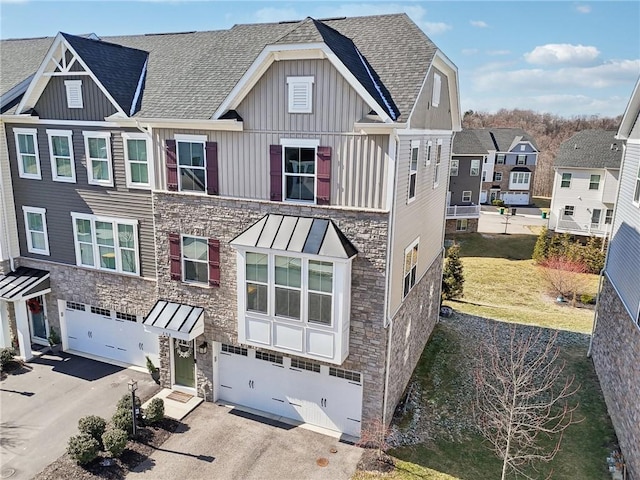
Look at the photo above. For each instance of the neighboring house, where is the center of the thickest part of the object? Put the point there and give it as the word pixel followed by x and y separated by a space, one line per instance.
pixel 509 158
pixel 463 198
pixel 585 183
pixel 259 210
pixel 616 337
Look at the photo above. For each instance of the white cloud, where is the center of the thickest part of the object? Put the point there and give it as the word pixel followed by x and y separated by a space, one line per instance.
pixel 583 8
pixel 436 28
pixel 494 53
pixel 562 53
pixel 469 51
pixel 271 14
pixel 479 23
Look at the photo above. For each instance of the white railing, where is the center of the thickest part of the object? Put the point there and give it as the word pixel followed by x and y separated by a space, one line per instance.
pixel 567 223
pixel 463 211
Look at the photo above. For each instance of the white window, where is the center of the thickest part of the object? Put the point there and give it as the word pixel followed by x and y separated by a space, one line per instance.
pixel 500 158
pixel 299 165
pixel 568 210
pixel 192 174
pixel 466 196
pixel 436 167
pixel 427 156
pixel 595 216
pixel 594 182
pixel 27 153
pixel 497 176
pixel 521 160
pixel 437 87
pixel 519 180
pixel 453 170
pixel 137 161
pixel 413 169
pixel 474 171
pixel 461 225
pixel 300 94
pixel 195 260
pixel 636 193
pixel 35 226
pixel 63 168
pixel 74 93
pixel 566 180
pixel 608 216
pixel 104 243
pixel 522 147
pixel 410 267
pixel 257 280
pixel 97 147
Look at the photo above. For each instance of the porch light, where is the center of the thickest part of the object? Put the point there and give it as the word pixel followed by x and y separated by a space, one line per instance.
pixel 133 386
pixel 202 348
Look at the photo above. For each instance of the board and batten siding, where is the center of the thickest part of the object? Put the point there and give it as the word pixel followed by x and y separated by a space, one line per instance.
pixel 425 115
pixel 359 164
pixel 423 217
pixel 623 260
pixel 52 103
pixel 61 198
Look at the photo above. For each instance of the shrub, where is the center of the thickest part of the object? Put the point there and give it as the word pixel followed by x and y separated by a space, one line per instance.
pixel 452 275
pixel 114 441
pixel 83 448
pixel 587 299
pixel 155 411
pixel 6 356
pixel 125 403
pixel 123 419
pixel 94 426
pixel 541 247
pixel 150 366
pixel 497 202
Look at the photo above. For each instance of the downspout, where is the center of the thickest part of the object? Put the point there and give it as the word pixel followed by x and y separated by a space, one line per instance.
pixel 391 201
pixel 595 317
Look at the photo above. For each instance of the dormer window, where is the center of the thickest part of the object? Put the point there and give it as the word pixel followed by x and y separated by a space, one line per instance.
pixel 300 94
pixel 74 93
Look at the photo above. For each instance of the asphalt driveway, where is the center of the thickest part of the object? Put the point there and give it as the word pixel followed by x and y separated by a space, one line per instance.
pixel 40 407
pixel 217 442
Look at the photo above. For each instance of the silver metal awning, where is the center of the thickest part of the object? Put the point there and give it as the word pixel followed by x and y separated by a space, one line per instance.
pixel 314 236
pixel 176 320
pixel 24 282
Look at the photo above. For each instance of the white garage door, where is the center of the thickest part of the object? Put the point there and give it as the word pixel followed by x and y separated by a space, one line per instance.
pixel 304 391
pixel 109 334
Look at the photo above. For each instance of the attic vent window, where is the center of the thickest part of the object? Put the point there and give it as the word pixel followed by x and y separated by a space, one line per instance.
pixel 437 87
pixel 300 94
pixel 74 93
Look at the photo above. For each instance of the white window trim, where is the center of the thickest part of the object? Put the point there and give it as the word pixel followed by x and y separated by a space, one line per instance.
pixel 307 82
pixel 428 152
pixel 38 211
pixel 437 163
pixel 96 257
pixel 495 176
pixel 513 185
pixel 184 138
pixel 504 159
pixel 599 181
pixel 415 145
pixel 34 133
pixel 437 88
pixel 469 196
pixel 54 175
pixel 182 260
pixel 413 244
pixel 523 157
pixel 69 84
pixel 300 143
pixel 107 136
pixel 150 171
pixel 562 179
pixel 573 211
pixel 471 174
pixel 456 162
pixel 461 222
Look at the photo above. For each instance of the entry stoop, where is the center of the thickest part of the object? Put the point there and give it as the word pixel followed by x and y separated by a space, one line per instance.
pixel 177 405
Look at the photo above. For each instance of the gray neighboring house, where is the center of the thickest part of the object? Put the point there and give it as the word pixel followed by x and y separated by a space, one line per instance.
pixel 463 198
pixel 585 184
pixel 615 345
pixel 259 210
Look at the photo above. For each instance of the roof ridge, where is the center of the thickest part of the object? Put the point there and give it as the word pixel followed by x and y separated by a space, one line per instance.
pixel 101 42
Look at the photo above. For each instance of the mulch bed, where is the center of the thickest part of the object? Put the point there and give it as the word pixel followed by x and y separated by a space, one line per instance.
pixel 372 462
pixel 147 440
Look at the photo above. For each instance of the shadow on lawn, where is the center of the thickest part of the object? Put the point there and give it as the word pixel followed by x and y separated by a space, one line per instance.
pixel 489 245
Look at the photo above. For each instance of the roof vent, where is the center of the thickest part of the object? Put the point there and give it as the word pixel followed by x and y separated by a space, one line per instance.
pixel 614 146
pixel 575 146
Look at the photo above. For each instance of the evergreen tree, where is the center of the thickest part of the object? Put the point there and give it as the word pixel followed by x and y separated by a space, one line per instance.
pixel 452 275
pixel 541 248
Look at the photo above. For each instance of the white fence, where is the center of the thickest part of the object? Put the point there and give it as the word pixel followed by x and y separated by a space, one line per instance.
pixel 463 211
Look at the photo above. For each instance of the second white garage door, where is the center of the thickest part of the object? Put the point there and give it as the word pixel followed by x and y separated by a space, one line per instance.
pixel 109 334
pixel 304 391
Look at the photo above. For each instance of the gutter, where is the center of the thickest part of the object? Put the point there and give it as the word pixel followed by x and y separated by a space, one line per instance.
pixel 220 125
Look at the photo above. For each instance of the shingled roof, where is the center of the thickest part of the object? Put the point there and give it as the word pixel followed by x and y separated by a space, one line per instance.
pixel 190 74
pixel 481 140
pixel 591 149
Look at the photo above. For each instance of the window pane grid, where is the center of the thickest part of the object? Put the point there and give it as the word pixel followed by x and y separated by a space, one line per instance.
pixel 191 163
pixel 137 158
pixel 27 152
pixel 195 260
pixel 112 242
pixel 304 365
pixel 594 182
pixel 300 173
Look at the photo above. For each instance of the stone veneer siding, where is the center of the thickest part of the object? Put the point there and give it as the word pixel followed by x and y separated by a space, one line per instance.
pixel 5 267
pixel 472 226
pixel 412 327
pixel 224 219
pixel 615 353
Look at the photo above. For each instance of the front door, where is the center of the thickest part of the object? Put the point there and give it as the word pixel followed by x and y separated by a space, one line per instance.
pixel 494 195
pixel 37 319
pixel 183 364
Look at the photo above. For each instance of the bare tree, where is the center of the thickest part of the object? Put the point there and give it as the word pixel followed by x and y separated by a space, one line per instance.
pixel 564 276
pixel 522 399
pixel 374 435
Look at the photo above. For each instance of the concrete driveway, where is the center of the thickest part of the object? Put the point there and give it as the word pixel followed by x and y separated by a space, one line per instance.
pixel 523 222
pixel 40 407
pixel 221 443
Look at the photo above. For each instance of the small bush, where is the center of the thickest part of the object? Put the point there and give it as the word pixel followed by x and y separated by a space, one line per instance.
pixel 587 299
pixel 94 426
pixel 123 419
pixel 114 441
pixel 125 403
pixel 497 202
pixel 83 448
pixel 155 411
pixel 6 356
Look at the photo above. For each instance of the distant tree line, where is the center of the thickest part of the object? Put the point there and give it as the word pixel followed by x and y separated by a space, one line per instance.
pixel 548 130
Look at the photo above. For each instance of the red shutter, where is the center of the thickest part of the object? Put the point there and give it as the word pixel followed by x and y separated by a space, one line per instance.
pixel 172 166
pixel 211 152
pixel 275 155
pixel 324 176
pixel 174 256
pixel 214 262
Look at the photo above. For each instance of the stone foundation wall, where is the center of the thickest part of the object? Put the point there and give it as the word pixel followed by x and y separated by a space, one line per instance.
pixel 411 329
pixel 224 219
pixel 615 352
pixel 450 226
pixel 5 267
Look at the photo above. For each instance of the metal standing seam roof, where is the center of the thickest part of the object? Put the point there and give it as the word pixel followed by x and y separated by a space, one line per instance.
pixel 591 149
pixel 313 236
pixel 23 281
pixel 176 319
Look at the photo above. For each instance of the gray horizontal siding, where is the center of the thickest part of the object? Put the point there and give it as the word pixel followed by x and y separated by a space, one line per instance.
pixel 623 261
pixel 463 181
pixel 52 104
pixel 61 198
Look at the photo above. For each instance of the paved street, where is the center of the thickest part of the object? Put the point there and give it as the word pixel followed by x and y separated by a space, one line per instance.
pixel 526 221
pixel 40 407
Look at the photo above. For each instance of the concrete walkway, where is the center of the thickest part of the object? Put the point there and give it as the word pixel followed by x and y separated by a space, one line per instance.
pixel 218 442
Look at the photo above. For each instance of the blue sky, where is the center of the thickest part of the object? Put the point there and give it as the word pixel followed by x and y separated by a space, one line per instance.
pixel 563 57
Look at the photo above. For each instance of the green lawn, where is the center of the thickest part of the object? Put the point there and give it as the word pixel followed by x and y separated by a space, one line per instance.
pixel 542 202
